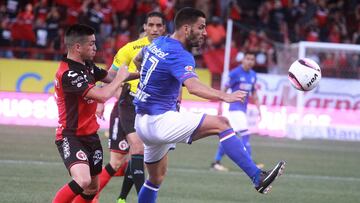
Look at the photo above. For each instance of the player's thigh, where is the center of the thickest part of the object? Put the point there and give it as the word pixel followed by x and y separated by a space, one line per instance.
pixel 155 153
pixel 127 114
pixel 212 125
pixel 73 152
pixel 136 144
pixel 96 155
pixel 157 170
pixel 167 128
pixel 80 172
pixel 238 120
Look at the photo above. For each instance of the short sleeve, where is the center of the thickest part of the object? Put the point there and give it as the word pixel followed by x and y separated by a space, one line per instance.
pixel 123 56
pixel 184 68
pixel 99 73
pixel 75 83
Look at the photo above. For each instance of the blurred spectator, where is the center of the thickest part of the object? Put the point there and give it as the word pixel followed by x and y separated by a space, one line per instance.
pixel 53 24
pixel 22 29
pixel 41 10
pixel 41 36
pixel 108 19
pixel 167 8
pixel 216 32
pixel 122 35
pixel 5 39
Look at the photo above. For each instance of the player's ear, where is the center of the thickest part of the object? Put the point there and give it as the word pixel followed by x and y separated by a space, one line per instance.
pixel 187 29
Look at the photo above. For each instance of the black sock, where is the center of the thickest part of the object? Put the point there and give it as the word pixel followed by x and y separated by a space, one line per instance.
pixel 109 169
pixel 88 197
pixel 127 183
pixel 137 170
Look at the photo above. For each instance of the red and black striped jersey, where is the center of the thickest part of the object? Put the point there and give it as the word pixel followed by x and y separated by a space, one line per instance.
pixel 76 112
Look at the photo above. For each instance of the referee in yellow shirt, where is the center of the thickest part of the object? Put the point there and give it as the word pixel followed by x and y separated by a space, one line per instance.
pixel 122 137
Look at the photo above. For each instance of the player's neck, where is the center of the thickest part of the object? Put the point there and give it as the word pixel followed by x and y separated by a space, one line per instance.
pixel 181 38
pixel 75 57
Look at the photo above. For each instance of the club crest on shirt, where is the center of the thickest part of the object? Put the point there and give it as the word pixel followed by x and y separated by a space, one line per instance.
pixel 189 68
pixel 97 156
pixel 81 155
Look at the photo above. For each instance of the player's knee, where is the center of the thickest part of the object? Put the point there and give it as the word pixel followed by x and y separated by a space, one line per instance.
pixel 223 123
pixel 116 163
pixel 157 179
pixel 137 148
pixel 83 181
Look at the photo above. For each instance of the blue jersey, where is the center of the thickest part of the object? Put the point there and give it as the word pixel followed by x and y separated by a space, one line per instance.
pixel 165 66
pixel 239 79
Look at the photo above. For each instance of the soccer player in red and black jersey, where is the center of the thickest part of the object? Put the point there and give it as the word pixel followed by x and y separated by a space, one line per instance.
pixel 77 97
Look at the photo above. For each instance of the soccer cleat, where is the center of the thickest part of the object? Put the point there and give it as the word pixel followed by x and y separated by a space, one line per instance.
pixel 219 167
pixel 268 177
pixel 121 201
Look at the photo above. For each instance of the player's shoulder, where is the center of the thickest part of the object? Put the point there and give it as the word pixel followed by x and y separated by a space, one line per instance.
pixel 139 43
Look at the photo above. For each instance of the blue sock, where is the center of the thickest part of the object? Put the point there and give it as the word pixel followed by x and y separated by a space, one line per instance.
pixel 148 193
pixel 219 154
pixel 246 142
pixel 236 151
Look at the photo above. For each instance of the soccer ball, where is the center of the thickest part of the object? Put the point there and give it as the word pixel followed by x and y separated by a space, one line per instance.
pixel 304 74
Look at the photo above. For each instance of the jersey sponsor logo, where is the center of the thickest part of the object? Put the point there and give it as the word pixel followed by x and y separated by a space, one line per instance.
pixel 97 156
pixel 123 145
pixel 81 155
pixel 137 171
pixel 189 68
pixel 66 148
pixel 157 51
pixel 245 86
pixel 72 74
pixel 138 46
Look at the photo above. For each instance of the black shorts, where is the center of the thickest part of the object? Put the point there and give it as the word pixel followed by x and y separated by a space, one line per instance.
pixel 127 112
pixel 117 137
pixel 85 149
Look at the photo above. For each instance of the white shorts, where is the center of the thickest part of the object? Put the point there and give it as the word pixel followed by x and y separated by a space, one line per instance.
pixel 161 132
pixel 238 121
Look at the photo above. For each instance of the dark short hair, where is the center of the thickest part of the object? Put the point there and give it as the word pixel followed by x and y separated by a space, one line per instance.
pixel 187 15
pixel 76 34
pixel 250 53
pixel 155 14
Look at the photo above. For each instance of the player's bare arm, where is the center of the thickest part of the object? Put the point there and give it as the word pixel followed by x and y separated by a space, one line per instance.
pixel 195 87
pixel 102 94
pixel 137 60
pixel 112 74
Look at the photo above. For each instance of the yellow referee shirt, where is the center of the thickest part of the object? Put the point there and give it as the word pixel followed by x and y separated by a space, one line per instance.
pixel 125 56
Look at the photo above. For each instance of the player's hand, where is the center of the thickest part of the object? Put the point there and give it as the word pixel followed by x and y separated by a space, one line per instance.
pixel 100 111
pixel 235 96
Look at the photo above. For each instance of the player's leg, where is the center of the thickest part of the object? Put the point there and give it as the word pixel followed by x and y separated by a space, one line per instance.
pixel 75 159
pixel 94 154
pixel 137 160
pixel 236 151
pixel 81 179
pixel 118 151
pixel 126 185
pixel 127 120
pixel 216 165
pixel 157 172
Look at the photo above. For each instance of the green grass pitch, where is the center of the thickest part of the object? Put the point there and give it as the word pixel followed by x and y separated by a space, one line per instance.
pixel 317 171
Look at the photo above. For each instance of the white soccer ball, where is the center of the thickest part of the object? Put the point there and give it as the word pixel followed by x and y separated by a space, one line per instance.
pixel 304 74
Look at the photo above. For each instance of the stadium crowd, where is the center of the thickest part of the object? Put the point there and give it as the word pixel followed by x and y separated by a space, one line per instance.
pixel 35 28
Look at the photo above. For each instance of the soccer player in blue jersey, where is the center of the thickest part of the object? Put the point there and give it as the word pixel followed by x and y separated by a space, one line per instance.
pixel 166 66
pixel 240 78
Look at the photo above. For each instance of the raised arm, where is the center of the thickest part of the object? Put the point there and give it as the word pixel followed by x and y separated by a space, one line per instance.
pixel 199 89
pixel 102 94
